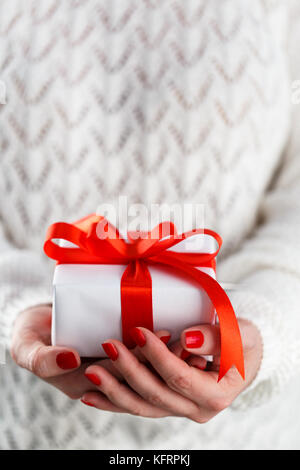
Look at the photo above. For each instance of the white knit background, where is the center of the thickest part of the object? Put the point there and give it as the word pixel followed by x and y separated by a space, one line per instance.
pixel 163 103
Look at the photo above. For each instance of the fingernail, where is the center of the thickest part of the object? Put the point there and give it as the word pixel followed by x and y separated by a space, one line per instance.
pixel 184 354
pixel 165 338
pixel 93 378
pixel 66 360
pixel 86 402
pixel 138 337
pixel 194 339
pixel 111 351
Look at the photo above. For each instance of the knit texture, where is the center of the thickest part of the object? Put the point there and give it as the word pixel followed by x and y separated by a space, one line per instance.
pixel 162 102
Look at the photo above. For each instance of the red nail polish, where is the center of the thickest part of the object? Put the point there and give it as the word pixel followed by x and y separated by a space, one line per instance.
pixel 93 378
pixel 86 402
pixel 138 337
pixel 194 339
pixel 165 338
pixel 184 354
pixel 66 360
pixel 111 350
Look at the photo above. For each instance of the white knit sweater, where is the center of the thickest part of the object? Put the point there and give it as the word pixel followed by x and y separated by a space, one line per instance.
pixel 161 101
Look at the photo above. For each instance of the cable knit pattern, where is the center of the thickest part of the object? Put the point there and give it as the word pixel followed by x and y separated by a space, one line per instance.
pixel 164 102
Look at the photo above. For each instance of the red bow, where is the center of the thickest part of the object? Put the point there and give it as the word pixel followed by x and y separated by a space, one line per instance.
pixel 136 284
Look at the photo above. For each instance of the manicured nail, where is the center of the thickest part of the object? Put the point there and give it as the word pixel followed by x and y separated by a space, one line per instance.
pixel 138 337
pixel 165 338
pixel 86 402
pixel 184 354
pixel 66 360
pixel 194 339
pixel 110 350
pixel 93 378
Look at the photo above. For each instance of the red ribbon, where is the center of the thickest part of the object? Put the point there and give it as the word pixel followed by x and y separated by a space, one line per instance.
pixel 136 284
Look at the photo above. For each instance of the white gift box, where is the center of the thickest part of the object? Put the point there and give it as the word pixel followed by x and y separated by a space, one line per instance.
pixel 87 301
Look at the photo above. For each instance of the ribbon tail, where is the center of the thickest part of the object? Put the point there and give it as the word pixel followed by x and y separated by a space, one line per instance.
pixel 231 342
pixel 136 300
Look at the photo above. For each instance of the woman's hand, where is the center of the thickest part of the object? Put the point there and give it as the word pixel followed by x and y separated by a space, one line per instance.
pixel 31 348
pixel 173 387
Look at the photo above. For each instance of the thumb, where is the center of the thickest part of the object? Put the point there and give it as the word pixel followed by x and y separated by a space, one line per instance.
pixel 206 339
pixel 44 361
pixel 30 346
pixel 202 340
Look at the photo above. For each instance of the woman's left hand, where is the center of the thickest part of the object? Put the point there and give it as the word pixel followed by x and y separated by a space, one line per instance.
pixel 169 385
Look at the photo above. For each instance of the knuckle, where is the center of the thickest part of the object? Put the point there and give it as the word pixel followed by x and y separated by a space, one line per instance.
pixel 155 399
pixel 180 381
pixel 137 410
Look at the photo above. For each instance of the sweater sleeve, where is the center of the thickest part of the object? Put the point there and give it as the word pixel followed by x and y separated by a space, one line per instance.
pixel 25 280
pixel 266 269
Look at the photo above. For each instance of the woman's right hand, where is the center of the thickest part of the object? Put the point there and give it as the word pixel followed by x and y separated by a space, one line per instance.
pixel 31 349
pixel 61 367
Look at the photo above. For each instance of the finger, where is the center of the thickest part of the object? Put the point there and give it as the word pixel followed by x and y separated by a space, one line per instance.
pixel 75 383
pixel 46 361
pixel 206 339
pixel 31 348
pixel 202 340
pixel 97 400
pixel 178 350
pixel 163 335
pixel 212 366
pixel 122 396
pixel 197 361
pixel 144 382
pixel 178 375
